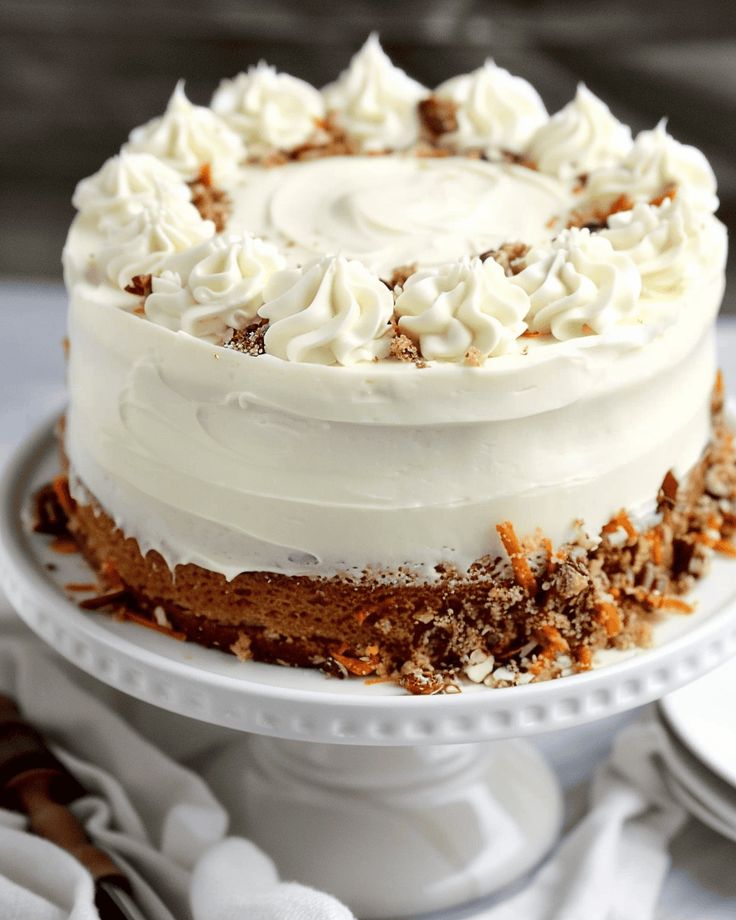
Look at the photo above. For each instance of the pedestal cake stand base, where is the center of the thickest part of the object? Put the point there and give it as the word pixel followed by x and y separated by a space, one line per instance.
pixel 386 800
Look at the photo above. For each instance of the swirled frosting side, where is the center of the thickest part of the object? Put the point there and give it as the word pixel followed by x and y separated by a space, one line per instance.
pixel 375 101
pixel 580 137
pixel 186 137
pixel 656 161
pixel 214 288
pixel 495 110
pixel 269 109
pixel 468 304
pixel 333 311
pixel 579 285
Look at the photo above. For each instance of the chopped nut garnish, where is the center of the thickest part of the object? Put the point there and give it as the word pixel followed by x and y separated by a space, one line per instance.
pixel 399 275
pixel 249 341
pixel 211 202
pixel 438 116
pixel 474 357
pixel 140 285
pixel 509 256
pixel 403 349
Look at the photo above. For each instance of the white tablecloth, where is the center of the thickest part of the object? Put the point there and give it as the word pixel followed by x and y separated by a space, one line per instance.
pixel 32 322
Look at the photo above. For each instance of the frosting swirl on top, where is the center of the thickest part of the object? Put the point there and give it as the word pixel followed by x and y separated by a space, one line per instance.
pixel 125 183
pixel 580 137
pixel 375 101
pixel 666 242
pixel 496 110
pixel 140 246
pixel 333 311
pixel 214 287
pixel 188 136
pixel 462 305
pixel 655 161
pixel 269 109
pixel 579 284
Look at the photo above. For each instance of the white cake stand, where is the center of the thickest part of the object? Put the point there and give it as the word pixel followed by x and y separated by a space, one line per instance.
pixel 396 804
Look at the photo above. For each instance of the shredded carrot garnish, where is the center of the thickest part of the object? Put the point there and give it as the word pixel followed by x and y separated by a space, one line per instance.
pixel 361 616
pixel 379 680
pixel 552 640
pixel 583 657
pixel 725 547
pixel 662 601
pixel 610 619
pixel 65 546
pixel 669 192
pixel 720 387
pixel 80 586
pixel 205 174
pixel 621 520
pixel 356 665
pixel 151 624
pixel 654 536
pixel 622 203
pixel 519 563
pixel 60 485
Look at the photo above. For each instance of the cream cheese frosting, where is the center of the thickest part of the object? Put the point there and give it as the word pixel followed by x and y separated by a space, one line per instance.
pixel 186 136
pixel 269 109
pixel 375 101
pixel 325 453
pixel 582 136
pixel 459 306
pixel 495 109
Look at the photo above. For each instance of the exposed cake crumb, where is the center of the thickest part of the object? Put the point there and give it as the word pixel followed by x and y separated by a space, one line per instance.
pixel 399 276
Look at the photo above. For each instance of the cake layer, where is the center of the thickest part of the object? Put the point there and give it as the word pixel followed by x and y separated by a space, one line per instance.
pixel 544 614
pixel 264 465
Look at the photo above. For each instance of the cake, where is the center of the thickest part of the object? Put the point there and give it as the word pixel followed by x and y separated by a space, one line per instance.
pixel 406 384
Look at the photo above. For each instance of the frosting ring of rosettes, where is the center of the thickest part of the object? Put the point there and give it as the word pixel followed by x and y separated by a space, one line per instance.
pixel 379 220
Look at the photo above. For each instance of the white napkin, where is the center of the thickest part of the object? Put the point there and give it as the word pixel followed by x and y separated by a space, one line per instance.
pixel 159 820
pixel 168 831
pixel 612 864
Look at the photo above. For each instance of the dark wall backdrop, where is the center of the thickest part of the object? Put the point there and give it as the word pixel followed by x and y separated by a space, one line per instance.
pixel 76 76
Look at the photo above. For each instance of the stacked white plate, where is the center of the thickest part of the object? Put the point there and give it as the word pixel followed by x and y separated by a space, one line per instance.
pixel 700 760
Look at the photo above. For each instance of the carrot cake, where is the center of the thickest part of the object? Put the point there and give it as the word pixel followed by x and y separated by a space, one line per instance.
pixel 396 382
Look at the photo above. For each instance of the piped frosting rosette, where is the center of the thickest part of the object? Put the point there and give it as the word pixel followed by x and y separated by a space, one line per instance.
pixel 579 285
pixel 333 311
pixel 214 288
pixel 461 306
pixel 651 234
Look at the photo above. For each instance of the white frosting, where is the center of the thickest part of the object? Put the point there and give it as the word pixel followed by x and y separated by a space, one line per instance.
pixel 655 161
pixel 671 244
pixel 375 101
pixel 125 184
pixel 395 210
pixel 187 137
pixel 214 287
pixel 264 464
pixel 331 311
pixel 460 305
pixel 269 109
pixel 579 284
pixel 140 246
pixel 580 137
pixel 496 110
pixel 315 459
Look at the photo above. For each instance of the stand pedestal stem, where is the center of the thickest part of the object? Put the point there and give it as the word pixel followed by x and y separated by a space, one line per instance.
pixel 395 831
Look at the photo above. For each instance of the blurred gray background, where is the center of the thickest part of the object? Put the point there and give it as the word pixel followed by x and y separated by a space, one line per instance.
pixel 76 76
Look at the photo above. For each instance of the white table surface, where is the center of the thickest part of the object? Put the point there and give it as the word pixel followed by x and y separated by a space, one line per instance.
pixel 32 326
